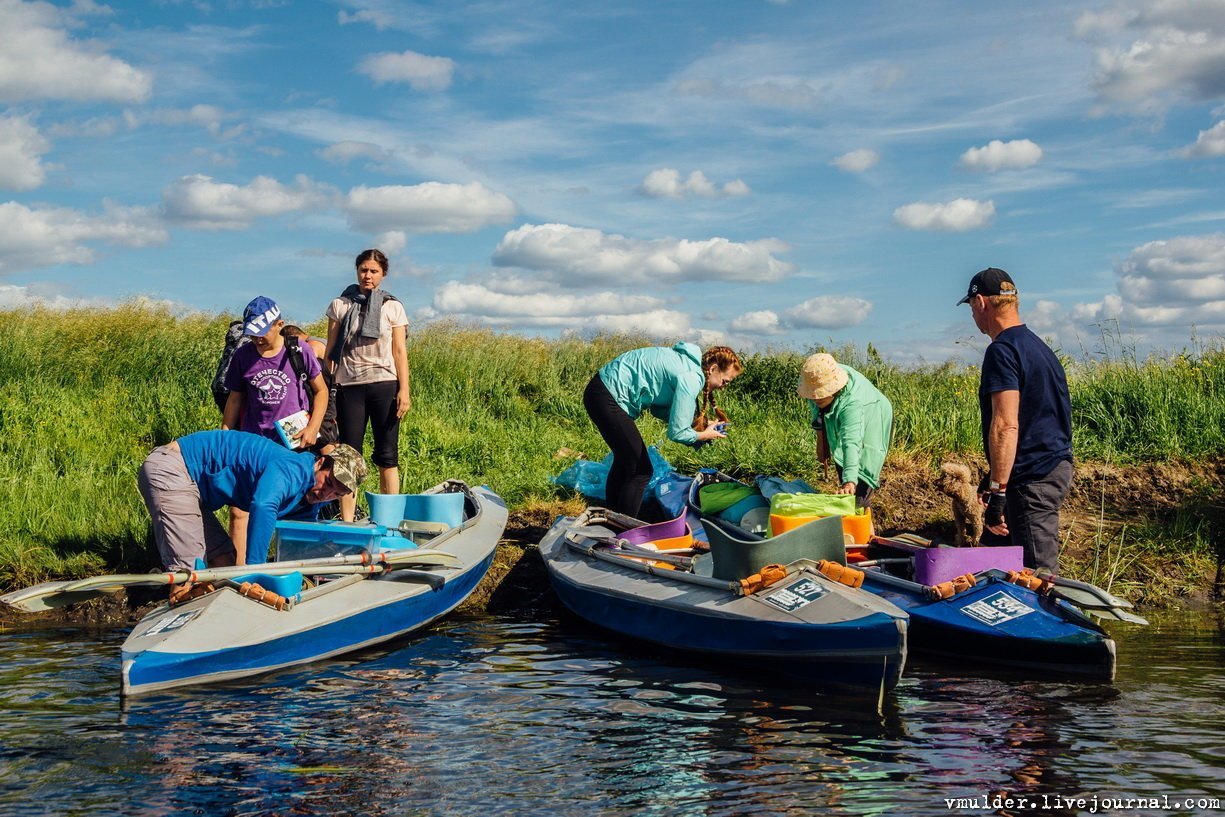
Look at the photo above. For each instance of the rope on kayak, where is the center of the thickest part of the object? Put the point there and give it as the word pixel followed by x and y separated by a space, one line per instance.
pixel 946 590
pixel 263 595
pixel 181 593
pixel 768 575
pixel 1026 578
pixel 842 574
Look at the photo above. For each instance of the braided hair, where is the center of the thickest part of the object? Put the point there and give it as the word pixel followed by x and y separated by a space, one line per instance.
pixel 719 358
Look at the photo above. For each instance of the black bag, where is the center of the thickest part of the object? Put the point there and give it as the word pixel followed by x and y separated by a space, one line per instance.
pixel 234 338
pixel 329 433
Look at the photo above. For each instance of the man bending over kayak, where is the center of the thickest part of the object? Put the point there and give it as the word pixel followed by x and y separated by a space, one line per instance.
pixel 185 481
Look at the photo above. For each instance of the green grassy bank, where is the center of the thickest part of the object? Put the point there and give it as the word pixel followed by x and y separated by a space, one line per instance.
pixel 86 394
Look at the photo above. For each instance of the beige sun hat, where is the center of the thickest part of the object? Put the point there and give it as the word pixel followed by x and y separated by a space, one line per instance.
pixel 821 377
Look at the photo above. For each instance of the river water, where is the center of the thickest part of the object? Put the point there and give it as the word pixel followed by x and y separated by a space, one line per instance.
pixel 533 713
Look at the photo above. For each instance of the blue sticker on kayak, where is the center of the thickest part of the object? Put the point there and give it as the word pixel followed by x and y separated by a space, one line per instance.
pixel 996 609
pixel 796 595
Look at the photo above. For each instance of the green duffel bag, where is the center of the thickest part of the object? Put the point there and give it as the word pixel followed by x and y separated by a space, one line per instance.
pixel 719 496
pixel 814 505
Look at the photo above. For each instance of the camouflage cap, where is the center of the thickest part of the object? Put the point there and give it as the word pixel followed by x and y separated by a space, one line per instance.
pixel 348 466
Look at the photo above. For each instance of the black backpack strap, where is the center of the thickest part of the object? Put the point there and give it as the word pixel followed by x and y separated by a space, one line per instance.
pixel 296 361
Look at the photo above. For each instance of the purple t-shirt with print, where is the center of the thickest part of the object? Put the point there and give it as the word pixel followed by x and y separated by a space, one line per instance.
pixel 271 388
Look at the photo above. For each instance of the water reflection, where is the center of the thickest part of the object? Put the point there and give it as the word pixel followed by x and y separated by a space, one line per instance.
pixel 501 715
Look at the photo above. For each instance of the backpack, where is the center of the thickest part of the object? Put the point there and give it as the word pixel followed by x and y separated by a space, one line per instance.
pixel 329 433
pixel 296 362
pixel 234 338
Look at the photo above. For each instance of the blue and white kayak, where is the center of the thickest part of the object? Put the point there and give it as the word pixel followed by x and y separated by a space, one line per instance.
pixel 805 626
pixel 224 635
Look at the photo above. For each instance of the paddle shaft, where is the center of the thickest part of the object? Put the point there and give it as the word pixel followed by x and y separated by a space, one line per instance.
pixel 310 567
pixel 622 547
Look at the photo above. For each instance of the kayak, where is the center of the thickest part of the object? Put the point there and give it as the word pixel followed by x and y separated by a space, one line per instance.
pixel 280 621
pixel 965 603
pixel 993 621
pixel 658 588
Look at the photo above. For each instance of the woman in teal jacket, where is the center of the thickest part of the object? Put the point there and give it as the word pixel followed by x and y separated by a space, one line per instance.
pixel 853 420
pixel 666 382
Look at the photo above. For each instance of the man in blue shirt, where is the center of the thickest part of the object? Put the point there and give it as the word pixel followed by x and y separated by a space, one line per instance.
pixel 185 481
pixel 1026 425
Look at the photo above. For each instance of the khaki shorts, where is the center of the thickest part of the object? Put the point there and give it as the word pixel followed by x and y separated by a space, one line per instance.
pixel 183 529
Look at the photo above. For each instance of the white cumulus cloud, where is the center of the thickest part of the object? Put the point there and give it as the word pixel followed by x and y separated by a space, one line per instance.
pixel 455 297
pixel 200 202
pixel 857 161
pixel 666 182
pixel 431 207
pixel 38 60
pixel 21 151
pixel 422 72
pixel 954 216
pixel 1178 283
pixel 594 313
pixel 997 155
pixel 22 297
pixel 820 312
pixel 32 238
pixel 1149 51
pixel 828 312
pixel 586 256
pixel 1210 143
pixel 760 322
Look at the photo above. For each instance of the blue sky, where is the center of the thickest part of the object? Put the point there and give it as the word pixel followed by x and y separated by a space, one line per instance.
pixel 764 174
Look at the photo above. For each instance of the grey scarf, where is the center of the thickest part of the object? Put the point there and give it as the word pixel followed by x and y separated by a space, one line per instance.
pixel 363 320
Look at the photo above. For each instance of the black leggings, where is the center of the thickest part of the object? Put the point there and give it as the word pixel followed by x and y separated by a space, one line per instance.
pixel 631 465
pixel 376 402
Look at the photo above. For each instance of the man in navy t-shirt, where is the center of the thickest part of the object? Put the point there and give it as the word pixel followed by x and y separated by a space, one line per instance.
pixel 1026 424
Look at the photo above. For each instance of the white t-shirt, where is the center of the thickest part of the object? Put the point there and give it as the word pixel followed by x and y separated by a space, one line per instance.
pixel 368 360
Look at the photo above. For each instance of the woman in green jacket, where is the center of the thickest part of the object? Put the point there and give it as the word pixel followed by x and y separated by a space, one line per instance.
pixel 853 420
pixel 667 382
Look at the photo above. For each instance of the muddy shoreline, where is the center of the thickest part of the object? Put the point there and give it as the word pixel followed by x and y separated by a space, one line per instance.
pixel 1105 502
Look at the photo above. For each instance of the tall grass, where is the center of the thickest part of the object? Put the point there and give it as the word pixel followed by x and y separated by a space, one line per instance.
pixel 85 394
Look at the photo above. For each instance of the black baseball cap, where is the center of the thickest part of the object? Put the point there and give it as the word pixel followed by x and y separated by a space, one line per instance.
pixel 991 281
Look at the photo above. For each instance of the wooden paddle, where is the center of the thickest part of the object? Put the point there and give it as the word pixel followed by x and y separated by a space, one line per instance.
pixel 49 595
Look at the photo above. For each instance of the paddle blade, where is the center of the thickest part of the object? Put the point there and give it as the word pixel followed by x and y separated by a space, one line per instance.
pixel 1103 598
pixel 113 582
pixel 423 556
pixel 49 596
pixel 1117 614
pixel 597 532
pixel 1089 597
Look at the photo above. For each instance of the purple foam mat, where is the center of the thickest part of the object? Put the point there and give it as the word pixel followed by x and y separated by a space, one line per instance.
pixel 660 530
pixel 937 565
